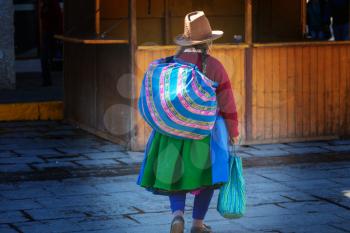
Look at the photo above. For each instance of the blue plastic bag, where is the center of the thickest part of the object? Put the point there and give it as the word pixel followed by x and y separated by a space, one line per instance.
pixel 232 196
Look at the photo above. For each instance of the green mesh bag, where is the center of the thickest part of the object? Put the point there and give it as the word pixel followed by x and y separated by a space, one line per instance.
pixel 232 196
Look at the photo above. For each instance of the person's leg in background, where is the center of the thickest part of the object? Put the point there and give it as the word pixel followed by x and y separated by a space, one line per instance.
pixel 341 32
pixel 346 35
pixel 201 206
pixel 337 32
pixel 46 58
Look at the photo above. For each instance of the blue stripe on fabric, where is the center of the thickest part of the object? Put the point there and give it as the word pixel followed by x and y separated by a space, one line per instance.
pixel 148 145
pixel 181 109
pixel 197 99
pixel 169 122
pixel 219 152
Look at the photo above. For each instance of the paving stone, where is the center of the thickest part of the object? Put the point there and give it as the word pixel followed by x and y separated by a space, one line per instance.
pixel 73 190
pixel 307 150
pixel 15 168
pixel 25 193
pixel 136 156
pixel 244 155
pixel 128 160
pixel 308 144
pixel 77 150
pixel 37 152
pixel 47 214
pixel 106 224
pixel 98 162
pixel 312 184
pixel 15 135
pixel 281 222
pixel 54 164
pixel 59 226
pixel 62 132
pixel 106 155
pixel 311 207
pixel 83 142
pixel 7 229
pixel 271 146
pixel 343 180
pixel 66 159
pixel 270 152
pixel 20 160
pixel 276 176
pixel 244 149
pixel 11 217
pixel 319 228
pixel 9 205
pixel 5 187
pixel 267 187
pixel 340 142
pixel 5 141
pixel 7 154
pixel 31 146
pixel 339 148
pixel 111 148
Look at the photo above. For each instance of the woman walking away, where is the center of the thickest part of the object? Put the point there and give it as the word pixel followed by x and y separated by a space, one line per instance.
pixel 174 166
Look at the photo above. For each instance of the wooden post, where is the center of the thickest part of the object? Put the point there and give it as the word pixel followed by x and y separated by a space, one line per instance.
pixel 248 38
pixel 166 22
pixel 248 22
pixel 97 18
pixel 132 32
pixel 132 64
pixel 303 17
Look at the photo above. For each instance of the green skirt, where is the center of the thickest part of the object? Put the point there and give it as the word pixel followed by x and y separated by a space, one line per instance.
pixel 177 165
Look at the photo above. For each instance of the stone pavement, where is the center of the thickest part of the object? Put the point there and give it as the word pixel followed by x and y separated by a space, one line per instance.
pixel 57 178
pixel 33 150
pixel 307 198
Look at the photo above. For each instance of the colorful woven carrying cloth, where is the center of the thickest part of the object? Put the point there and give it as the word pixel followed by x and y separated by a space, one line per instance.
pixel 178 100
pixel 174 165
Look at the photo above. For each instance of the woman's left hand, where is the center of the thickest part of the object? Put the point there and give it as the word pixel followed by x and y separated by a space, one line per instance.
pixel 234 140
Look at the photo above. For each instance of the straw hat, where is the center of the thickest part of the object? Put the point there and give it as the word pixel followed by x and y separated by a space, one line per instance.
pixel 197 30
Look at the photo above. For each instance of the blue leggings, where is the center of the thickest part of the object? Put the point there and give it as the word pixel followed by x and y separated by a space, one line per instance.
pixel 200 205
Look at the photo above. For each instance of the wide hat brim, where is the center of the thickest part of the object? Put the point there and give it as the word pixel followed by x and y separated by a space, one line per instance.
pixel 184 41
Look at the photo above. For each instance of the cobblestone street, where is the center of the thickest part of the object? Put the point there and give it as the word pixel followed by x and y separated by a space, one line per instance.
pixel 55 178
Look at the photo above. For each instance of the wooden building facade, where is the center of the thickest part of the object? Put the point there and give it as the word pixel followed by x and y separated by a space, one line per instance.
pixel 286 88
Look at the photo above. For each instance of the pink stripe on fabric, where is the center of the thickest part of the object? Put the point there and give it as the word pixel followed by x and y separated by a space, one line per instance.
pixel 163 126
pixel 200 94
pixel 186 105
pixel 170 114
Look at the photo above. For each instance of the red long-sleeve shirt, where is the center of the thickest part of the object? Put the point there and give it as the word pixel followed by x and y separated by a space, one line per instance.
pixel 226 101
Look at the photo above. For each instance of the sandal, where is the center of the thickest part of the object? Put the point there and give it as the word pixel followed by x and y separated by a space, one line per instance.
pixel 204 229
pixel 177 225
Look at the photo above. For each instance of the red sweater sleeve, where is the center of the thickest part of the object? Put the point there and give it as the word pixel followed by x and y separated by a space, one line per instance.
pixel 226 101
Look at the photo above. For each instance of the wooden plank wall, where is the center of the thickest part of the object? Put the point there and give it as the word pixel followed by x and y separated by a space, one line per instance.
pixel 233 60
pixel 97 92
pixel 300 92
pixel 152 23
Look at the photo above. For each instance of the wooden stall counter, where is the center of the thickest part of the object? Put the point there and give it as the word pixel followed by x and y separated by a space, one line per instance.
pixel 90 40
pixel 173 47
pixel 300 43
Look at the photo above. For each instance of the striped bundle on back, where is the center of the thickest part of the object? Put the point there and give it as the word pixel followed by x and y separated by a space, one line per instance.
pixel 177 99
